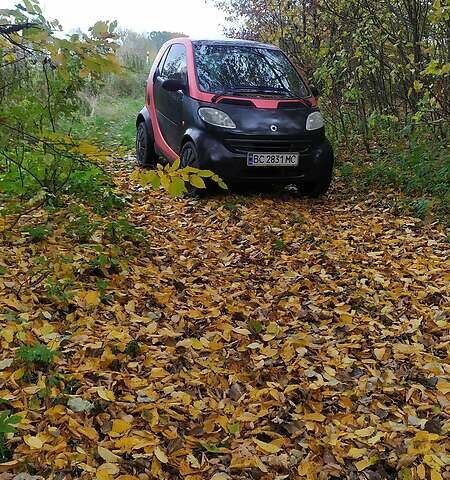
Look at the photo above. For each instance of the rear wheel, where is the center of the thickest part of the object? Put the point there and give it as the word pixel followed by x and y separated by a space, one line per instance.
pixel 189 158
pixel 145 150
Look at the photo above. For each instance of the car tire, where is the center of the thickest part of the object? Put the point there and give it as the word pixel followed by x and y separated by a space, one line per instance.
pixel 317 188
pixel 145 150
pixel 189 158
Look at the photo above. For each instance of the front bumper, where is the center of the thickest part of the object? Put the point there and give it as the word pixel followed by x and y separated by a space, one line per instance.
pixel 228 158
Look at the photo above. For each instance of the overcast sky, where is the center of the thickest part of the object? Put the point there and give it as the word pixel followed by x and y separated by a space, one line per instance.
pixel 196 18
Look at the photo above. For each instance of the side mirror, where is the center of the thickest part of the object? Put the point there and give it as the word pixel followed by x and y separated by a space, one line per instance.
pixel 314 91
pixel 174 85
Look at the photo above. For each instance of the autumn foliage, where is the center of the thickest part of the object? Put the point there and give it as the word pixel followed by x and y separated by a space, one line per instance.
pixel 232 339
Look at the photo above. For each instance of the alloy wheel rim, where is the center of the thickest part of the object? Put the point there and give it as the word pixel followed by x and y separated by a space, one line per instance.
pixel 140 145
pixel 188 157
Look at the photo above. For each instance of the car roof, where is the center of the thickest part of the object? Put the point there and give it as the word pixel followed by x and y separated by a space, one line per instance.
pixel 233 42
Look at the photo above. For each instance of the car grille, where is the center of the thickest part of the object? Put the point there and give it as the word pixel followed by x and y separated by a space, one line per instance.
pixel 238 145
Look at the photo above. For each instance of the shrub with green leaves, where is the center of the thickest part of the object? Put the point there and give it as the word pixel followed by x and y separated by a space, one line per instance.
pixel 37 356
pixel 121 230
pixel 82 228
pixel 7 425
pixel 38 233
pixel 41 78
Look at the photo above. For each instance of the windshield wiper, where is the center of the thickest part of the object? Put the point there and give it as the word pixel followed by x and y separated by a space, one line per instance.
pixel 279 91
pixel 232 91
pixel 257 89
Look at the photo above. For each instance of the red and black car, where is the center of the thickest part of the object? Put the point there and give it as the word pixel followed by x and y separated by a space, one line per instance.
pixel 238 108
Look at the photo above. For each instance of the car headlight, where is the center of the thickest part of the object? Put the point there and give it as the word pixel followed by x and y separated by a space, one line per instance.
pixel 215 117
pixel 314 121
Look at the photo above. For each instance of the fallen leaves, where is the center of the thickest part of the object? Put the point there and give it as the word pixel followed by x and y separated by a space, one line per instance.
pixel 107 455
pixel 216 352
pixel 272 447
pixel 79 405
pixel 314 417
pixel 105 394
pixel 160 455
pixel 34 442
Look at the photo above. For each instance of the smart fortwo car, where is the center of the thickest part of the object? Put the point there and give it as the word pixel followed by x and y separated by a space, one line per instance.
pixel 238 108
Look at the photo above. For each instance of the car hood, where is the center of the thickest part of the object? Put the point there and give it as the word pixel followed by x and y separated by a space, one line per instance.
pixel 286 120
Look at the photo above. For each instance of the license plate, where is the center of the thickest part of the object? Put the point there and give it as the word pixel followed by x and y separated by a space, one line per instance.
pixel 272 159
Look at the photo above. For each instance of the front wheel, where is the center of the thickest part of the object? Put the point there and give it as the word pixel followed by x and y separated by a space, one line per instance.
pixel 189 158
pixel 145 151
pixel 317 188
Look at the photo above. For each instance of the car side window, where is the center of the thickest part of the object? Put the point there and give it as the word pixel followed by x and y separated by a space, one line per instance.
pixel 175 66
pixel 161 63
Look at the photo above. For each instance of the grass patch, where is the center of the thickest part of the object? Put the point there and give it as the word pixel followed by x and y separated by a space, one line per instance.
pixel 112 121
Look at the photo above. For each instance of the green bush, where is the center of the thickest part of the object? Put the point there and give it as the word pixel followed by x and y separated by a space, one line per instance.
pixel 7 425
pixel 418 167
pixel 38 233
pixel 36 355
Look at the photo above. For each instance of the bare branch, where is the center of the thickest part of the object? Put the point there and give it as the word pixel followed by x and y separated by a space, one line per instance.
pixel 7 29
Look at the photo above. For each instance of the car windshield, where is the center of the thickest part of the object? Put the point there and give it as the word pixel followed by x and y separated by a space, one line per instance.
pixel 237 69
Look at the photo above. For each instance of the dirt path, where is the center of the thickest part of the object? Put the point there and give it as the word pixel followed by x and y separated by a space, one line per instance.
pixel 277 337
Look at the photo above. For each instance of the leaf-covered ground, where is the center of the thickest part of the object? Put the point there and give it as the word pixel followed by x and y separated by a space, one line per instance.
pixel 248 337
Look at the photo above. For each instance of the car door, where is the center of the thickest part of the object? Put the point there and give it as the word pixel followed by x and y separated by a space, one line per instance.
pixel 169 105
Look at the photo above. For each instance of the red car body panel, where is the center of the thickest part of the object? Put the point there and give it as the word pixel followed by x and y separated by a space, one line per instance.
pixel 196 93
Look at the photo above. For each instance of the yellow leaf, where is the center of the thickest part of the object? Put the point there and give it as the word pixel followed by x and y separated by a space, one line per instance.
pixel 119 426
pixel 107 455
pixel 158 373
pixel 33 442
pixel 240 463
pixel 417 85
pixel 406 349
pixel 272 331
pixel 267 447
pixel 435 475
pixel 379 352
pixel 88 432
pixel 357 452
pixel 314 417
pixel 160 455
pixel 110 468
pixel 106 394
pixel 424 436
pixel 193 462
pixel 220 476
pixel 102 475
pixel 196 344
pixel 443 386
pixel 421 473
pixel 8 334
pixel 197 181
pixel 362 464
pixel 433 461
pixel 92 298
pixel 126 443
pixel 156 469
pixel 307 468
pixel 60 463
pixel 18 374
pixel 364 432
